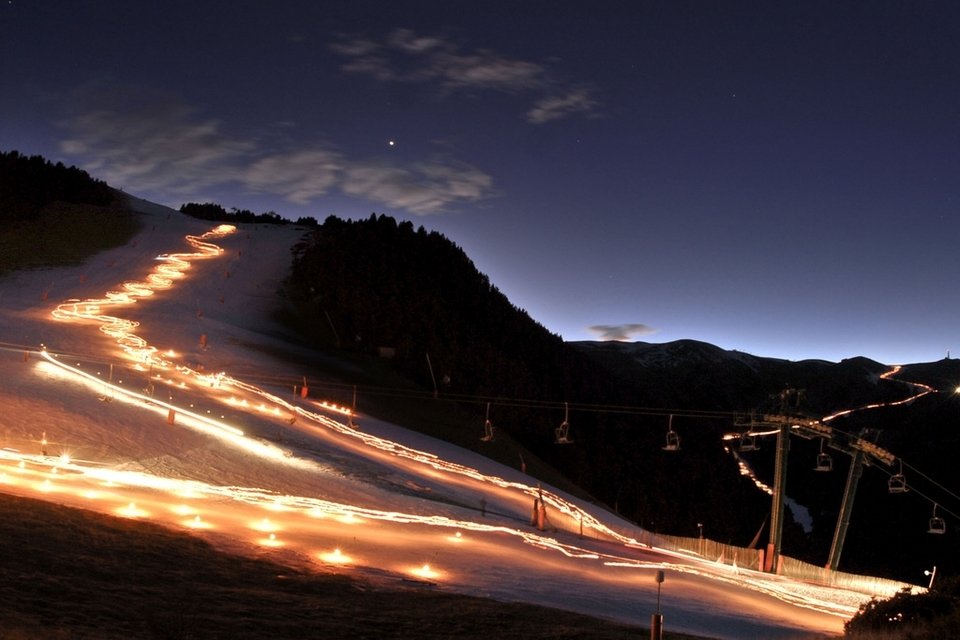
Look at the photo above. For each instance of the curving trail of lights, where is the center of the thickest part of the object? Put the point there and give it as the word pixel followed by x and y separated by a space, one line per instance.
pixel 170 268
pixel 299 522
pixel 745 469
pixel 173 267
pixel 921 388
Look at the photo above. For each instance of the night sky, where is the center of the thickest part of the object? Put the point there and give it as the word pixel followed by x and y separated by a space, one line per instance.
pixel 779 178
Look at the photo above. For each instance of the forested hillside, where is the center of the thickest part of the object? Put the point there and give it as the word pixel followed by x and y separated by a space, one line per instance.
pixel 216 212
pixel 376 286
pixel 52 214
pixel 28 183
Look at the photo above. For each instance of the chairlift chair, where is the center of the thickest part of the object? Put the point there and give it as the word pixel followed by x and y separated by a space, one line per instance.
pixel 824 461
pixel 748 442
pixel 487 427
pixel 673 438
pixel 487 431
pixel 937 524
pixel 898 482
pixel 562 432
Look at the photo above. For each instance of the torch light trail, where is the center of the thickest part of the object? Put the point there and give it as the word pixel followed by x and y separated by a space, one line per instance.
pixel 745 469
pixel 921 388
pixel 164 495
pixel 173 267
pixel 295 516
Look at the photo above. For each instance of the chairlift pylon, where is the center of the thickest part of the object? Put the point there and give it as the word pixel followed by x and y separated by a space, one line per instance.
pixel 937 524
pixel 824 461
pixel 673 438
pixel 487 427
pixel 898 482
pixel 562 432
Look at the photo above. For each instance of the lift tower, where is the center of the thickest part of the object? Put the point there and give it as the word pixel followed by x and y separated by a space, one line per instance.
pixel 862 453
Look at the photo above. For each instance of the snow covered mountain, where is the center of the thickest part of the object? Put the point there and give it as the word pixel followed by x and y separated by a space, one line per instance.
pixel 150 382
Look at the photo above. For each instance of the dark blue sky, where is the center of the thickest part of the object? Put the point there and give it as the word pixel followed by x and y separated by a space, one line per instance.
pixel 778 178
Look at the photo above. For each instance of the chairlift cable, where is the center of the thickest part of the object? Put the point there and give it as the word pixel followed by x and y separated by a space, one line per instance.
pixel 931 480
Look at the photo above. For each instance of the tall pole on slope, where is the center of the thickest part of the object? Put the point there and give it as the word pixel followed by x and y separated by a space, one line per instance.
pixel 436 393
pixel 846 508
pixel 656 620
pixel 772 558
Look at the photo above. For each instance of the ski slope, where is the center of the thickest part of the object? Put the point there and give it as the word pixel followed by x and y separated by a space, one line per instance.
pixel 139 384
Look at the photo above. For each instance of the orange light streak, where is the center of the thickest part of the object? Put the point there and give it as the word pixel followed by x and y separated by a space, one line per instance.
pixel 131 510
pixel 336 557
pixel 270 541
pixel 171 267
pixel 924 390
pixel 424 571
pixel 809 596
pixel 243 396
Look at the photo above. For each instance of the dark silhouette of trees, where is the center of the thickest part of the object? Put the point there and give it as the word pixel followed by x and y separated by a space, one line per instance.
pixel 362 285
pixel 51 214
pixel 29 183
pixel 216 213
pixel 935 614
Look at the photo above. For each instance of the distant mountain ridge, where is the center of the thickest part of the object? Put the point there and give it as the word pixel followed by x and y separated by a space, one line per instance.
pixel 739 381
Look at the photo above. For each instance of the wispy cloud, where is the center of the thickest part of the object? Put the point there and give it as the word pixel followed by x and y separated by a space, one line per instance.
pixel 424 188
pixel 162 147
pixel 622 332
pixel 299 176
pixel 157 144
pixel 405 57
pixel 560 106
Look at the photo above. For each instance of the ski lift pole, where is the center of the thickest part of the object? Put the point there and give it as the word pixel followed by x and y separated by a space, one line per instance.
pixel 772 558
pixel 433 379
pixel 656 620
pixel 846 508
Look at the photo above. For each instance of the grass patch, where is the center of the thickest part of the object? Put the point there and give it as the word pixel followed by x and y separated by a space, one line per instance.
pixel 68 573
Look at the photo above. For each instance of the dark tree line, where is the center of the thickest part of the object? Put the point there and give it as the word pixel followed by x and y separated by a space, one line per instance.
pixel 52 214
pixel 910 616
pixel 29 183
pixel 216 213
pixel 375 283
